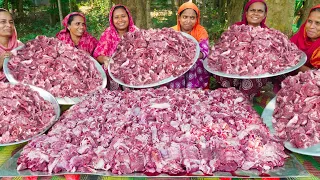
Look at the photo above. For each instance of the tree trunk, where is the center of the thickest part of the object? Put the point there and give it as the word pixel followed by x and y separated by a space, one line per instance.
pixel 281 18
pixel 70 6
pixel 20 8
pixel 148 15
pixel 234 11
pixel 173 6
pixel 308 4
pixel 60 13
pixel 5 4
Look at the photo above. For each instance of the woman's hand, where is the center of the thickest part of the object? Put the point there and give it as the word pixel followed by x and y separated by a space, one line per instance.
pixel 304 68
pixel 3 56
pixel 104 60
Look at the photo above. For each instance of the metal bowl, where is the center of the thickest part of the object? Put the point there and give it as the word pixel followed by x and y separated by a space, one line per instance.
pixel 303 60
pixel 63 100
pixel 48 97
pixel 164 81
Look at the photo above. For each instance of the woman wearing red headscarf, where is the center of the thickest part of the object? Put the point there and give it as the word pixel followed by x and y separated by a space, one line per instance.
pixel 308 39
pixel 188 21
pixel 254 14
pixel 8 38
pixel 75 33
pixel 120 22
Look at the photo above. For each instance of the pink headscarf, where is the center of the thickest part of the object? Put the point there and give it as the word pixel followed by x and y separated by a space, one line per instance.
pixel 13 43
pixel 87 42
pixel 244 18
pixel 110 38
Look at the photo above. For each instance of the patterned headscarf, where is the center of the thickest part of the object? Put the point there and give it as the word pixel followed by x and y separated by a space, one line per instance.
pixel 86 43
pixel 246 7
pixel 311 48
pixel 198 31
pixel 110 38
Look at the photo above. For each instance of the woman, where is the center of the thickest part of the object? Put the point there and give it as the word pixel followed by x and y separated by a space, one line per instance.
pixel 188 21
pixel 75 33
pixel 8 38
pixel 254 14
pixel 120 22
pixel 308 39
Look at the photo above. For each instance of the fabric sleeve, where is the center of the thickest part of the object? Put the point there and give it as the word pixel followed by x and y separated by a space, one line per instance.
pixel 204 47
pixel 101 46
pixel 315 58
pixel 93 44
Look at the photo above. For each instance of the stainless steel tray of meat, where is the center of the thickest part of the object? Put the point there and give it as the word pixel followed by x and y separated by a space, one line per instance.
pixel 292 168
pixel 302 61
pixel 48 97
pixel 164 81
pixel 63 100
pixel 267 119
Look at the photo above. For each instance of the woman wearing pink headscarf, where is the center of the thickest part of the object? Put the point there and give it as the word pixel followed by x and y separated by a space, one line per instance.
pixel 8 38
pixel 75 33
pixel 254 14
pixel 120 22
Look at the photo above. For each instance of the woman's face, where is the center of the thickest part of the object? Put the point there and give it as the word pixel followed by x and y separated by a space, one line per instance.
pixel 6 24
pixel 187 20
pixel 77 26
pixel 120 19
pixel 255 14
pixel 313 25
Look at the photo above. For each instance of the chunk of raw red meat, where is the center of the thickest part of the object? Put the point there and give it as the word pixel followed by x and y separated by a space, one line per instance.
pixel 247 50
pixel 156 131
pixel 297 113
pixel 149 56
pixel 23 113
pixel 57 67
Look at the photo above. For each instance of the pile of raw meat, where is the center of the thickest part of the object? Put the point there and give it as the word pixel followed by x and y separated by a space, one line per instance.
pixel 149 56
pixel 156 131
pixel 247 50
pixel 23 113
pixel 296 117
pixel 57 67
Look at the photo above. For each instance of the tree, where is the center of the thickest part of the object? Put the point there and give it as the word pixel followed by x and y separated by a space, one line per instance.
pixel 20 8
pixel 308 4
pixel 5 4
pixel 281 18
pixel 140 11
pixel 234 10
pixel 60 12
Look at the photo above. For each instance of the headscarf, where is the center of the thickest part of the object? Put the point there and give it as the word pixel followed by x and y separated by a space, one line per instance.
pixel 311 48
pixel 86 43
pixel 245 10
pixel 13 43
pixel 110 38
pixel 198 31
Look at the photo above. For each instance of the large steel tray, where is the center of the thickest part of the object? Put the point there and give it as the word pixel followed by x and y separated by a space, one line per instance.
pixel 164 81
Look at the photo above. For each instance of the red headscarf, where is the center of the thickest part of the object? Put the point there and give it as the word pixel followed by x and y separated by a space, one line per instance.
pixel 86 43
pixel 311 48
pixel 13 43
pixel 198 31
pixel 244 18
pixel 110 38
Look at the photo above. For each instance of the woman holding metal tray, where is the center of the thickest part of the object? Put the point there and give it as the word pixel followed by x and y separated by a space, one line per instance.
pixel 121 22
pixel 254 14
pixel 8 38
pixel 188 21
